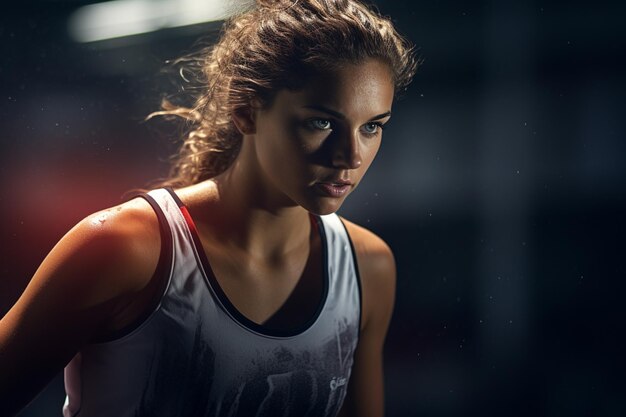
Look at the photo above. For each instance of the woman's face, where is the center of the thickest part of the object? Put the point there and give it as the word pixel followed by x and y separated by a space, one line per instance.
pixel 314 145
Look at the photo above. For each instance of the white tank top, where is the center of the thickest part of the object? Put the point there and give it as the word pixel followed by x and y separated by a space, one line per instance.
pixel 195 355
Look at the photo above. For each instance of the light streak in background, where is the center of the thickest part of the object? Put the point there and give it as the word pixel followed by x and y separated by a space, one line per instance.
pixel 121 18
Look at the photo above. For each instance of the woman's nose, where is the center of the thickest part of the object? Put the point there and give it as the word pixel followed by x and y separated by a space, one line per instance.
pixel 347 151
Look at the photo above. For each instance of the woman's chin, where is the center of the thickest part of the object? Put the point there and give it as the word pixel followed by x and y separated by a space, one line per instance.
pixel 322 208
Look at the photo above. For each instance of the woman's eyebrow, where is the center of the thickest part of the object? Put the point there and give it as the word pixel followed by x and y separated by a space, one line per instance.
pixel 339 115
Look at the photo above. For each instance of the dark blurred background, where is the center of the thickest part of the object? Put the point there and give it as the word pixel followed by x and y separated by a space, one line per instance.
pixel 500 186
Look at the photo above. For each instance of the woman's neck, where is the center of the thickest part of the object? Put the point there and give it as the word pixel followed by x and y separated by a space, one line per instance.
pixel 238 210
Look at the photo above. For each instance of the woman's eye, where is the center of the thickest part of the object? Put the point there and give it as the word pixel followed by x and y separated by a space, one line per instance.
pixel 319 124
pixel 372 127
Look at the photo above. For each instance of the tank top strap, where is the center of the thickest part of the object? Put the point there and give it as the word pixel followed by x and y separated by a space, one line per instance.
pixel 345 280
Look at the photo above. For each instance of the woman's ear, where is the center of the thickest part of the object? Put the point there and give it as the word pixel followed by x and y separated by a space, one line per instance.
pixel 244 120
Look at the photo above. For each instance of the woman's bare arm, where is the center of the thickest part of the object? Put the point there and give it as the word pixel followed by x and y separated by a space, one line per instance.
pixel 365 397
pixel 73 296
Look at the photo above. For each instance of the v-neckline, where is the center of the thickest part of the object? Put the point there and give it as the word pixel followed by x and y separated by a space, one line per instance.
pixel 239 317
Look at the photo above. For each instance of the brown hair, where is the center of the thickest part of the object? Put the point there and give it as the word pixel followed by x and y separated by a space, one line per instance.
pixel 275 45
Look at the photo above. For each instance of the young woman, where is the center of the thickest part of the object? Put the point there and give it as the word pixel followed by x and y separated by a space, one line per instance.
pixel 233 289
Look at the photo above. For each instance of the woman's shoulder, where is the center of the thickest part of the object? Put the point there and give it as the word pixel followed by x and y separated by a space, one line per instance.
pixel 106 256
pixel 123 239
pixel 377 272
pixel 373 253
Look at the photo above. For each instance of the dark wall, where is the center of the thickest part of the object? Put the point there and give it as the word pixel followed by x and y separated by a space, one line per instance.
pixel 500 186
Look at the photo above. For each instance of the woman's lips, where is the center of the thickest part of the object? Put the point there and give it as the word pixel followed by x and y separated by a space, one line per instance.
pixel 334 189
